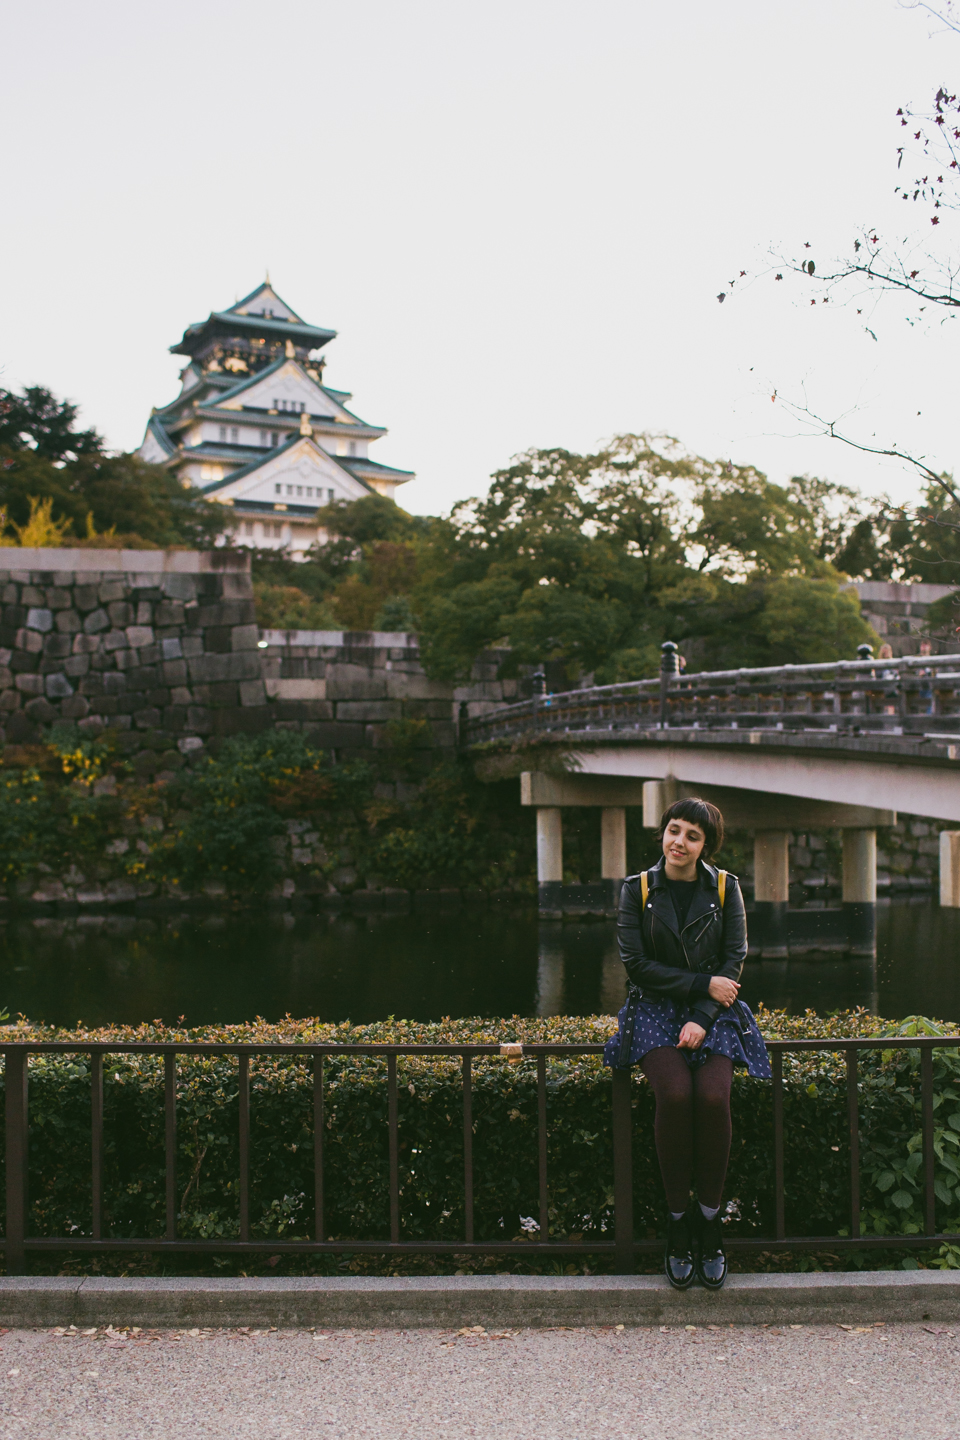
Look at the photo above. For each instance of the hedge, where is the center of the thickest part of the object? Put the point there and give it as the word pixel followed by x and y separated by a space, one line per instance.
pixel 505 1135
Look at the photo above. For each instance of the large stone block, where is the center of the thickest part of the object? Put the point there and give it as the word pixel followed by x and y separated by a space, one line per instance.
pixel 57 645
pixel 244 637
pixel 115 640
pixel 179 587
pixel 41 710
pixel 306 689
pixel 144 615
pixel 85 644
pixel 121 613
pixel 39 618
pixel 114 683
pixel 58 598
pixel 416 687
pixel 96 621
pixel 368 689
pixel 138 635
pixel 29 684
pixel 111 590
pixel 174 672
pixel 303 710
pixel 85 597
pixel 29 640
pixel 171 649
pixel 199 719
pixel 68 621
pixel 369 710
pixel 6 678
pixel 76 707
pixel 24 662
pixel 216 639
pixel 57 686
pixel 169 612
pixel 76 665
pixel 252 692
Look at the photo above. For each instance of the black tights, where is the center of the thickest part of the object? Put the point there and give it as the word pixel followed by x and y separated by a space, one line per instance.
pixel 692 1128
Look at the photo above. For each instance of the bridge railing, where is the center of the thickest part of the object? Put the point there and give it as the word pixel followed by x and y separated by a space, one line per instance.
pixel 618 1243
pixel 908 696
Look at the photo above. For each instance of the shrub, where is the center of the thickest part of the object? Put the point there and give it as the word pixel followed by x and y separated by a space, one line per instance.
pixel 430 1135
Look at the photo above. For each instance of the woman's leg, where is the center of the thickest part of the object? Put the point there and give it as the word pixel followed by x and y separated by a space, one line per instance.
pixel 712 1126
pixel 669 1076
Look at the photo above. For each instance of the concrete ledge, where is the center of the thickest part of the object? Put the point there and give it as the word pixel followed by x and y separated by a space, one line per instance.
pixel 451 1301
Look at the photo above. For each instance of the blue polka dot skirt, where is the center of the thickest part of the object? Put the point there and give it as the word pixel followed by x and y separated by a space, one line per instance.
pixel 734 1033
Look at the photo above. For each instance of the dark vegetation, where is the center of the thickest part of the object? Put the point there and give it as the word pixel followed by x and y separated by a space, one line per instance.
pixel 224 819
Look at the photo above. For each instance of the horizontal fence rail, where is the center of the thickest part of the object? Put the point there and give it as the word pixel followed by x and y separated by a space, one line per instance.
pixel 898 697
pixel 623 1246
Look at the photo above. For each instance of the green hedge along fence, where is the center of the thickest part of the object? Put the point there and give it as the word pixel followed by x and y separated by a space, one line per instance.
pixel 505 1135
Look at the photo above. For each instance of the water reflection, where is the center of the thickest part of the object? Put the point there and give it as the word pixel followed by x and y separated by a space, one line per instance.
pixel 224 968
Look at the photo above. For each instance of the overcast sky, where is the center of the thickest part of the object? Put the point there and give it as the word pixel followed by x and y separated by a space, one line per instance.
pixel 517 215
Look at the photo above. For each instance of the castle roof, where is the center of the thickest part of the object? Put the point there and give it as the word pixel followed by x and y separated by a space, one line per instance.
pixel 262 313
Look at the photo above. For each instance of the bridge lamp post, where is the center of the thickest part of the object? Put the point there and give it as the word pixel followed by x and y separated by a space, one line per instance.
pixel 669 670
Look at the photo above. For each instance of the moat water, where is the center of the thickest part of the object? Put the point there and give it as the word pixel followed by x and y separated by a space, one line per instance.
pixel 230 968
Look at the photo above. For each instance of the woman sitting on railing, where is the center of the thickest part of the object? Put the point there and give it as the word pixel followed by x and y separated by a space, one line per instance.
pixel 683 939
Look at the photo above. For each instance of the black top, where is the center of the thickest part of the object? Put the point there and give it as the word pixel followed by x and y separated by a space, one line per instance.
pixel 681 893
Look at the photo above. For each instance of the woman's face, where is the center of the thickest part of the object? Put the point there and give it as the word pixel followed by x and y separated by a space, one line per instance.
pixel 683 843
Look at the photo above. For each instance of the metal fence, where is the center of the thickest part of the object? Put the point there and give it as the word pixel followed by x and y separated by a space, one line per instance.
pixel 622 1247
pixel 899 697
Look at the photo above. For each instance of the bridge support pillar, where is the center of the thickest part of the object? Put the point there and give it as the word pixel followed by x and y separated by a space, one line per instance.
pixel 550 859
pixel 613 842
pixel 657 795
pixel 771 890
pixel 860 889
pixel 950 869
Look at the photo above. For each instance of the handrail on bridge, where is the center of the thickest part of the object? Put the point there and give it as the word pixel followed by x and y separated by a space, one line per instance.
pixel 622 1245
pixel 897 697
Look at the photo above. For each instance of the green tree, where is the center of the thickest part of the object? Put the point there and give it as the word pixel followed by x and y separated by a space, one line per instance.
pixel 592 561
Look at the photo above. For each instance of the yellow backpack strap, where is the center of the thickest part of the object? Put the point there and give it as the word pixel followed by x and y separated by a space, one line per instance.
pixel 644 889
pixel 722 885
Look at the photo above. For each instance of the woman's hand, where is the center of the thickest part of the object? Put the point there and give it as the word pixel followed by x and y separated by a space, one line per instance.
pixel 692 1036
pixel 724 991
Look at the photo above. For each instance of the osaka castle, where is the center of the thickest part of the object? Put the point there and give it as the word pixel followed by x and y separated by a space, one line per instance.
pixel 255 427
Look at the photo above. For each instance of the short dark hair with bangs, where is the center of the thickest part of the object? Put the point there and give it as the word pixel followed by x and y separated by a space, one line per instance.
pixel 696 812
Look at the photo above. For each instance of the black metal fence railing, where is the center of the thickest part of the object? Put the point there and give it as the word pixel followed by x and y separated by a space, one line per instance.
pixel 900 697
pixel 623 1247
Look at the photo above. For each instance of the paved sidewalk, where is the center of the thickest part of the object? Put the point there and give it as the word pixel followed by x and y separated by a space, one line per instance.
pixel 893 1382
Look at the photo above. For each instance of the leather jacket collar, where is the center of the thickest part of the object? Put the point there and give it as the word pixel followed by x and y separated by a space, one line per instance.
pixel 705 899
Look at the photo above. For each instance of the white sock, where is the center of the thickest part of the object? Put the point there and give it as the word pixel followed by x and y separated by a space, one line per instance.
pixel 677 1214
pixel 709 1212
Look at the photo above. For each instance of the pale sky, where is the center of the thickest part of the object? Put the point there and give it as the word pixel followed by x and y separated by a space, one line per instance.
pixel 517 216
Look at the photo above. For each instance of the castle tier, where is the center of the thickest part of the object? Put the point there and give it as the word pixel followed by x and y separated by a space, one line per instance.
pixel 255 428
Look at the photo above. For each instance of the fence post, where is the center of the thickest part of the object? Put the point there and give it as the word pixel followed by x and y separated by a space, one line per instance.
pixel 622 1174
pixel 15 1084
pixel 669 669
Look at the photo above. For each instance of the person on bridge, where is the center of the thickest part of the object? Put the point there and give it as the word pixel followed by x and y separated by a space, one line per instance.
pixel 682 931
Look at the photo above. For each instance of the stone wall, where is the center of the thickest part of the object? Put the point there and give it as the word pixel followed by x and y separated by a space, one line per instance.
pixel 908 860
pixel 163 647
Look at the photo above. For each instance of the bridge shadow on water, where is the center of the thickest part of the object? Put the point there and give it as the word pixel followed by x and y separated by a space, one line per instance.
pixel 489 961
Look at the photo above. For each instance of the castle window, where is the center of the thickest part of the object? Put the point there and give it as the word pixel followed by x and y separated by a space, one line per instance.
pixel 289 489
pixel 299 489
pixel 234 435
pixel 353 447
pixel 309 492
pixel 329 497
pixel 278 489
pixel 263 437
pixel 223 433
pixel 275 437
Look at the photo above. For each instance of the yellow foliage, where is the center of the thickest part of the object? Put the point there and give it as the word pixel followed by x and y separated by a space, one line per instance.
pixel 41 531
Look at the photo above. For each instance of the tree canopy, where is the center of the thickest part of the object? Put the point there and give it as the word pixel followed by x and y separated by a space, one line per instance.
pixel 89 497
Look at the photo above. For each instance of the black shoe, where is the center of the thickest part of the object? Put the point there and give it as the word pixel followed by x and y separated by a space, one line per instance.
pixel 711 1260
pixel 678 1262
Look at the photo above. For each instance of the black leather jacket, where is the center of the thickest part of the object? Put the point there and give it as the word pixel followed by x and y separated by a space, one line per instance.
pixel 666 964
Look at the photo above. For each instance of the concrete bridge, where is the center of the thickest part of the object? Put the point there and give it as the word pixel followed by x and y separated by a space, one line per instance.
pixel 798 747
